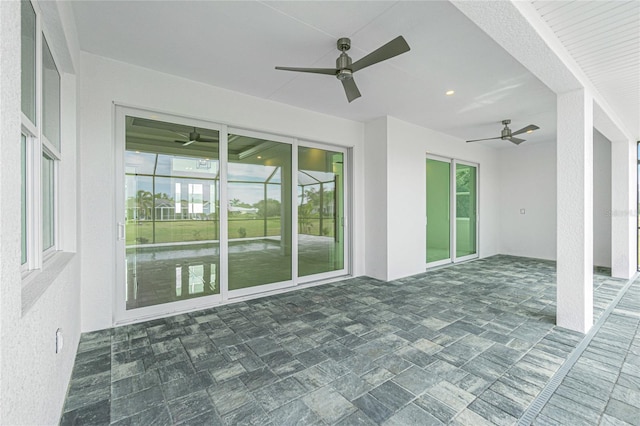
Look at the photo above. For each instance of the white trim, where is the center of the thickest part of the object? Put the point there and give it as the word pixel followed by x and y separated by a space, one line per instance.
pixel 294 211
pixel 455 258
pixel 451 240
pixel 438 263
pixel 120 312
pixel 224 212
pixel 120 292
pixel 346 217
pixel 167 309
pixel 27 125
pixel 259 289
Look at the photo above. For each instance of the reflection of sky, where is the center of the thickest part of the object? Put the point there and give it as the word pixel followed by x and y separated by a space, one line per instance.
pixel 251 193
pixel 252 173
pixel 168 165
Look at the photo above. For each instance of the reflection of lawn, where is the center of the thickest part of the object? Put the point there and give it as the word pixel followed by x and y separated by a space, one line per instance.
pixel 202 230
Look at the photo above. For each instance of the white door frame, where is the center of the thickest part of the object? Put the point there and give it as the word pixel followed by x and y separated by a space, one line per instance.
pixel 120 312
pixel 454 231
pixel 346 195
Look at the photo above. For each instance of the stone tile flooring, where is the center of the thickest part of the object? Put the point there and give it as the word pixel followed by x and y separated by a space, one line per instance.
pixel 603 386
pixel 468 344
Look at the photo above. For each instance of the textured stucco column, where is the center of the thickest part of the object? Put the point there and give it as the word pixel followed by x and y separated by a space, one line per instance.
pixel 575 211
pixel 623 210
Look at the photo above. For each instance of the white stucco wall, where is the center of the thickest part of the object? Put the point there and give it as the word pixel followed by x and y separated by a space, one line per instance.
pixel 376 207
pixel 402 161
pixel 106 81
pixel 33 378
pixel 601 200
pixel 528 181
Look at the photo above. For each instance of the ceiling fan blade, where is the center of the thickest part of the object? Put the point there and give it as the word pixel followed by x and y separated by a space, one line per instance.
pixel 351 89
pixel 530 127
pixel 208 140
pixel 187 143
pixel 485 139
pixel 327 71
pixel 517 141
pixel 395 47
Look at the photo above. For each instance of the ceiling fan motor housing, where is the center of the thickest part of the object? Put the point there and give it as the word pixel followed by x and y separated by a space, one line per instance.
pixel 344 44
pixel 343 65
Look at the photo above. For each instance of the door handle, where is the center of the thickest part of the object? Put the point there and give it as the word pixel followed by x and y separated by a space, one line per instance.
pixel 121 235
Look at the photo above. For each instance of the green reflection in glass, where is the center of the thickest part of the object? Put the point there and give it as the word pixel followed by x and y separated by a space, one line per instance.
pixel 438 210
pixel 465 210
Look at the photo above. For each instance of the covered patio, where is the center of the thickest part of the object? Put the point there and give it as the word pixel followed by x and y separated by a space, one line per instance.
pixel 473 343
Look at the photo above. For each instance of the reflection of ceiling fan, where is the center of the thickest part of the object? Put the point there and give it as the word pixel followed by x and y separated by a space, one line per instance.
pixel 345 68
pixel 508 135
pixel 195 137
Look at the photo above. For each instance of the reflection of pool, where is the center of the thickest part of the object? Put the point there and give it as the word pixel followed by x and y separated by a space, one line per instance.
pixel 168 272
pixel 178 252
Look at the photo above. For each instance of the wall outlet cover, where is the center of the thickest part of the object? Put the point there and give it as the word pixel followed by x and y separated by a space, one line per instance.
pixel 59 341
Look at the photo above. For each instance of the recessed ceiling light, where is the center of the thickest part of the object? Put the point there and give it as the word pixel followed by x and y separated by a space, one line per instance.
pixel 450 92
pixel 529 131
pixel 259 157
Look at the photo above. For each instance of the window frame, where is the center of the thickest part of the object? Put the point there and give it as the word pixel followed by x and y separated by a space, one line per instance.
pixel 37 146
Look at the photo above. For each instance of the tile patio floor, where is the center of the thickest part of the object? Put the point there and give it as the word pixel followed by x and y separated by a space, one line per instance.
pixel 468 344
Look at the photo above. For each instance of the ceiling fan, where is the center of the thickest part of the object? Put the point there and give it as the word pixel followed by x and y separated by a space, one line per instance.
pixel 195 137
pixel 508 135
pixel 345 67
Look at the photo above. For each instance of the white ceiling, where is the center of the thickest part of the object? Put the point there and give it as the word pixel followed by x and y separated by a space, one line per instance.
pixel 236 45
pixel 604 39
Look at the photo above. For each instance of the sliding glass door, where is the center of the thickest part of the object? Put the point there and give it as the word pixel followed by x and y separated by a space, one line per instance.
pixel 209 213
pixel 465 207
pixel 452 187
pixel 259 213
pixel 438 211
pixel 321 230
pixel 171 201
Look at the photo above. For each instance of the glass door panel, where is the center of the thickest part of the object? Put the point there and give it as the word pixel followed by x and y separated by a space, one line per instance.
pixel 320 211
pixel 438 210
pixel 466 202
pixel 171 204
pixel 259 211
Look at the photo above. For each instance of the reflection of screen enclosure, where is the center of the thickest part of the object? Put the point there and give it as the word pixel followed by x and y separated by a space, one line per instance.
pixel 259 192
pixel 171 212
pixel 320 211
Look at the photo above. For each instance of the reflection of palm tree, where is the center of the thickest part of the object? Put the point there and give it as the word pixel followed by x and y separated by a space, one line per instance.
pixel 144 201
pixel 304 220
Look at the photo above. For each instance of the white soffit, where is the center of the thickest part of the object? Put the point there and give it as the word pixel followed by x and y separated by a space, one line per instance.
pixel 603 37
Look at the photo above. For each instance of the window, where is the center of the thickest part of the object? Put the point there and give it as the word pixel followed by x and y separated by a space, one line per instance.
pixel 23 162
pixel 40 140
pixel 50 97
pixel 28 61
pixel 48 214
